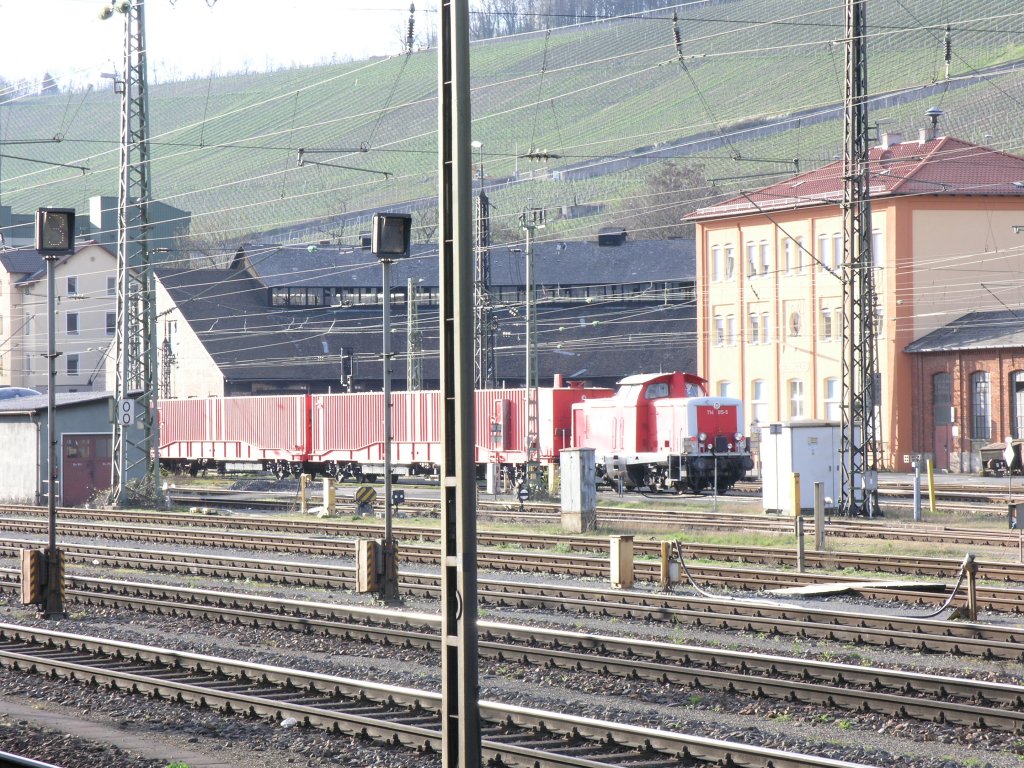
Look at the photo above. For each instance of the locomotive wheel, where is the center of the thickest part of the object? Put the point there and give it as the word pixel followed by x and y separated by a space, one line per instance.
pixel 281 472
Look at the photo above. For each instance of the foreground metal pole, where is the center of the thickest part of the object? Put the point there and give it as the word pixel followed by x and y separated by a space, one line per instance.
pixel 460 695
pixel 389 584
pixel 54 605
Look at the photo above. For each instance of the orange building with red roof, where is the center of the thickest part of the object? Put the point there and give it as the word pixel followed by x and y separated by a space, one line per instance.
pixel 769 277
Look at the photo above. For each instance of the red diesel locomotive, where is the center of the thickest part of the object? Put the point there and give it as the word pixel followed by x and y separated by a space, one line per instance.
pixel 662 431
pixel 658 431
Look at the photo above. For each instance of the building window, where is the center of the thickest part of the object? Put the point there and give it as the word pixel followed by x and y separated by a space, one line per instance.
pixel 1017 404
pixel 878 248
pixel 719 331
pixel 823 249
pixel 837 251
pixel 751 259
pixel 788 264
pixel 72 363
pixel 765 257
pixel 796 398
pixel 72 323
pixel 730 330
pixel 72 286
pixel 766 335
pixel 111 285
pixel 725 389
pixel 942 399
pixel 798 255
pixel 730 262
pixel 833 411
pixel 111 323
pixel 759 400
pixel 717 270
pixel 826 324
pixel 754 330
pixel 981 406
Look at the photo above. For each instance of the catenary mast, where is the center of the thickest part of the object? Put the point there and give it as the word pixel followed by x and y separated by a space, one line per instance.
pixel 860 353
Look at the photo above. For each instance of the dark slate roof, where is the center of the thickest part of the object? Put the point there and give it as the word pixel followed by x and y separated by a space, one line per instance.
pixel 22 261
pixel 941 166
pixel 31 265
pixel 555 263
pixel 36 403
pixel 601 342
pixel 251 341
pixel 997 329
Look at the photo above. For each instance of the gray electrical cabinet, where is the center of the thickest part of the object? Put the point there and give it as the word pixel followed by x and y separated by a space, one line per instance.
pixel 809 448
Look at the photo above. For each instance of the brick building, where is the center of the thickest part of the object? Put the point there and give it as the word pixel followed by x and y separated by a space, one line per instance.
pixel 969 378
pixel 946 222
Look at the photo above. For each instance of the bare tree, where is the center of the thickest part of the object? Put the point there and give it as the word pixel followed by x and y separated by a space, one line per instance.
pixel 673 190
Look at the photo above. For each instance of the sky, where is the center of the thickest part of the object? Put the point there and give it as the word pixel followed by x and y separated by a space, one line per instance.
pixel 189 38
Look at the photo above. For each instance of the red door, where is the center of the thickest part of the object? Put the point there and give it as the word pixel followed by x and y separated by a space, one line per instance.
pixel 85 467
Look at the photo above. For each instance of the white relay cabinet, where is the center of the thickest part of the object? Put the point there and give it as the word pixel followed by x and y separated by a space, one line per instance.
pixel 809 448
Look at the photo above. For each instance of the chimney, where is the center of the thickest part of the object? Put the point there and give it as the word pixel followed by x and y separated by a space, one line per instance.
pixel 891 139
pixel 933 114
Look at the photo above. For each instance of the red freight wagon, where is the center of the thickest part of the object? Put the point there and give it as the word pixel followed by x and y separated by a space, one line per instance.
pixel 271 431
pixel 348 430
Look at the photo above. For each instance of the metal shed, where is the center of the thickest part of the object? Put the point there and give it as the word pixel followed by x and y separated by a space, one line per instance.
pixel 84 448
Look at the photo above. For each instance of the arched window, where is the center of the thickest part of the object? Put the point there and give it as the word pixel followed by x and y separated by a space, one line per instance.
pixel 942 399
pixel 981 406
pixel 1017 403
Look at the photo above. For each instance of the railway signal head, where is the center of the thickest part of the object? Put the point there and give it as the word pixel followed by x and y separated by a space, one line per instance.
pixel 391 235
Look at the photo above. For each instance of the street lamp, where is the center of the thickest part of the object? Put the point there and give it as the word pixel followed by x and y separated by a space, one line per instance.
pixel 55 237
pixel 389 240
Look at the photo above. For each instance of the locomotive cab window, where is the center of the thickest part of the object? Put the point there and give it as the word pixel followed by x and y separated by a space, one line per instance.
pixel 656 390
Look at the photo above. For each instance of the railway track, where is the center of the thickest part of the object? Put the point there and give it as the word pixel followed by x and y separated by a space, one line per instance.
pixel 596 565
pixel 969 703
pixel 613 519
pixel 771 616
pixel 512 735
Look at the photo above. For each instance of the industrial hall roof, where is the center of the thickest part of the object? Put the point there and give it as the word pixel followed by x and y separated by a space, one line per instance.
pixel 249 340
pixel 996 329
pixel 555 263
pixel 940 166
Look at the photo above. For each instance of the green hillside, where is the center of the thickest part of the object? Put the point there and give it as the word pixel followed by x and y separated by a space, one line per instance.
pixel 226 148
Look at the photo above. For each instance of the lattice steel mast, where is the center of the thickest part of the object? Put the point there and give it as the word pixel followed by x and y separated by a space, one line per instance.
pixel 414 342
pixel 483 340
pixel 135 333
pixel 860 354
pixel 531 220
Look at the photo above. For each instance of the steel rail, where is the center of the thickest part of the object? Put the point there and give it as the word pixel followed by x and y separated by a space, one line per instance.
pixel 756 674
pixel 677 520
pixel 316 700
pixel 776 618
pixel 989 598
